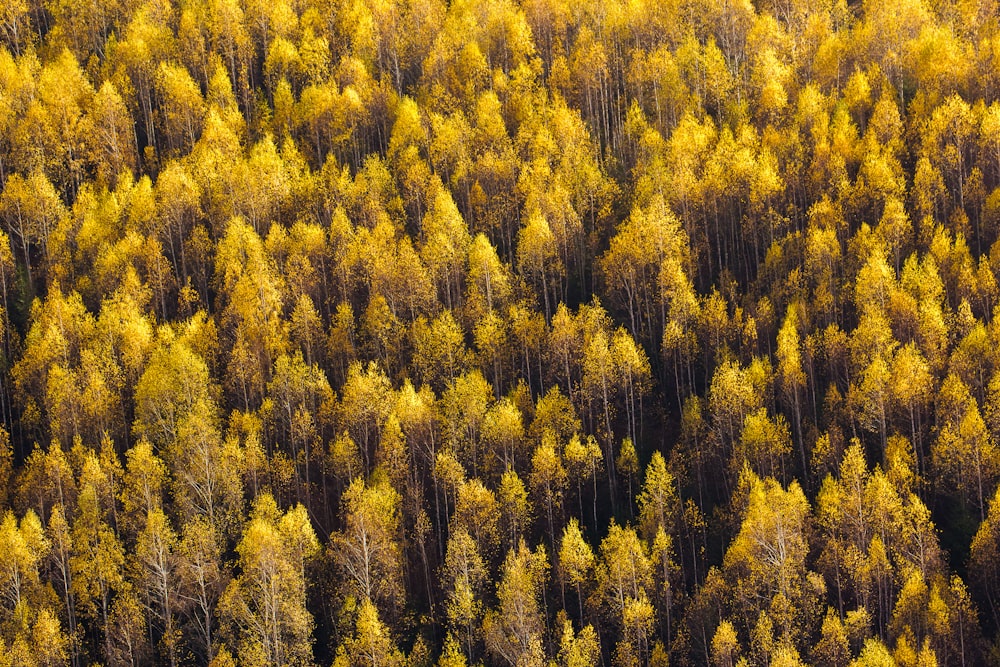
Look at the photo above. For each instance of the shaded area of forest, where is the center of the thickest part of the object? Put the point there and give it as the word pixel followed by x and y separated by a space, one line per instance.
pixel 405 332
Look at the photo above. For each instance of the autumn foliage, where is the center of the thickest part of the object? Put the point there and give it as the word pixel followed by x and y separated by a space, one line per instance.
pixel 398 333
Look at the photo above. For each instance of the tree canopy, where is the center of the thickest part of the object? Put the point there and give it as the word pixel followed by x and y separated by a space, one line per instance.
pixel 499 332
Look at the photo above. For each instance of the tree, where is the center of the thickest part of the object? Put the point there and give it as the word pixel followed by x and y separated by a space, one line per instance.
pixel 583 460
pixel 465 575
pixel 182 104
pixel 31 209
pixel 490 336
pixel 833 649
pixel 650 239
pixel 488 281
pixel 142 491
pixel 659 521
pixel 793 378
pixel 964 454
pixel 370 645
pixel 204 468
pixel 451 655
pixel 261 185
pixel 912 390
pixel 129 641
pixel 734 394
pixel 576 561
pixel 950 130
pixel 503 431
pixel 114 144
pixel 303 401
pixel 62 550
pixel 464 406
pixel 659 503
pixel 175 380
pixel 634 378
pixel 439 353
pixel 548 480
pixel 365 405
pixel 476 511
pixel 537 258
pixel 265 606
pixel 445 245
pixel 984 559
pixel 513 631
pixel 515 507
pixel 725 645
pixel 767 559
pixel 599 381
pixel 98 557
pixel 624 583
pixel 202 578
pixel 578 649
pixel 16 26
pixel 155 555
pixel 367 550
pixel 23 545
pixel 251 291
pixel 764 444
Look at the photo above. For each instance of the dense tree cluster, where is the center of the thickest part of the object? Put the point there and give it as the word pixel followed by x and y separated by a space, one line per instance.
pixel 385 333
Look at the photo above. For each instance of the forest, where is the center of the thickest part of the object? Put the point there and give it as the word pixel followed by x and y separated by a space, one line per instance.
pixel 512 333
